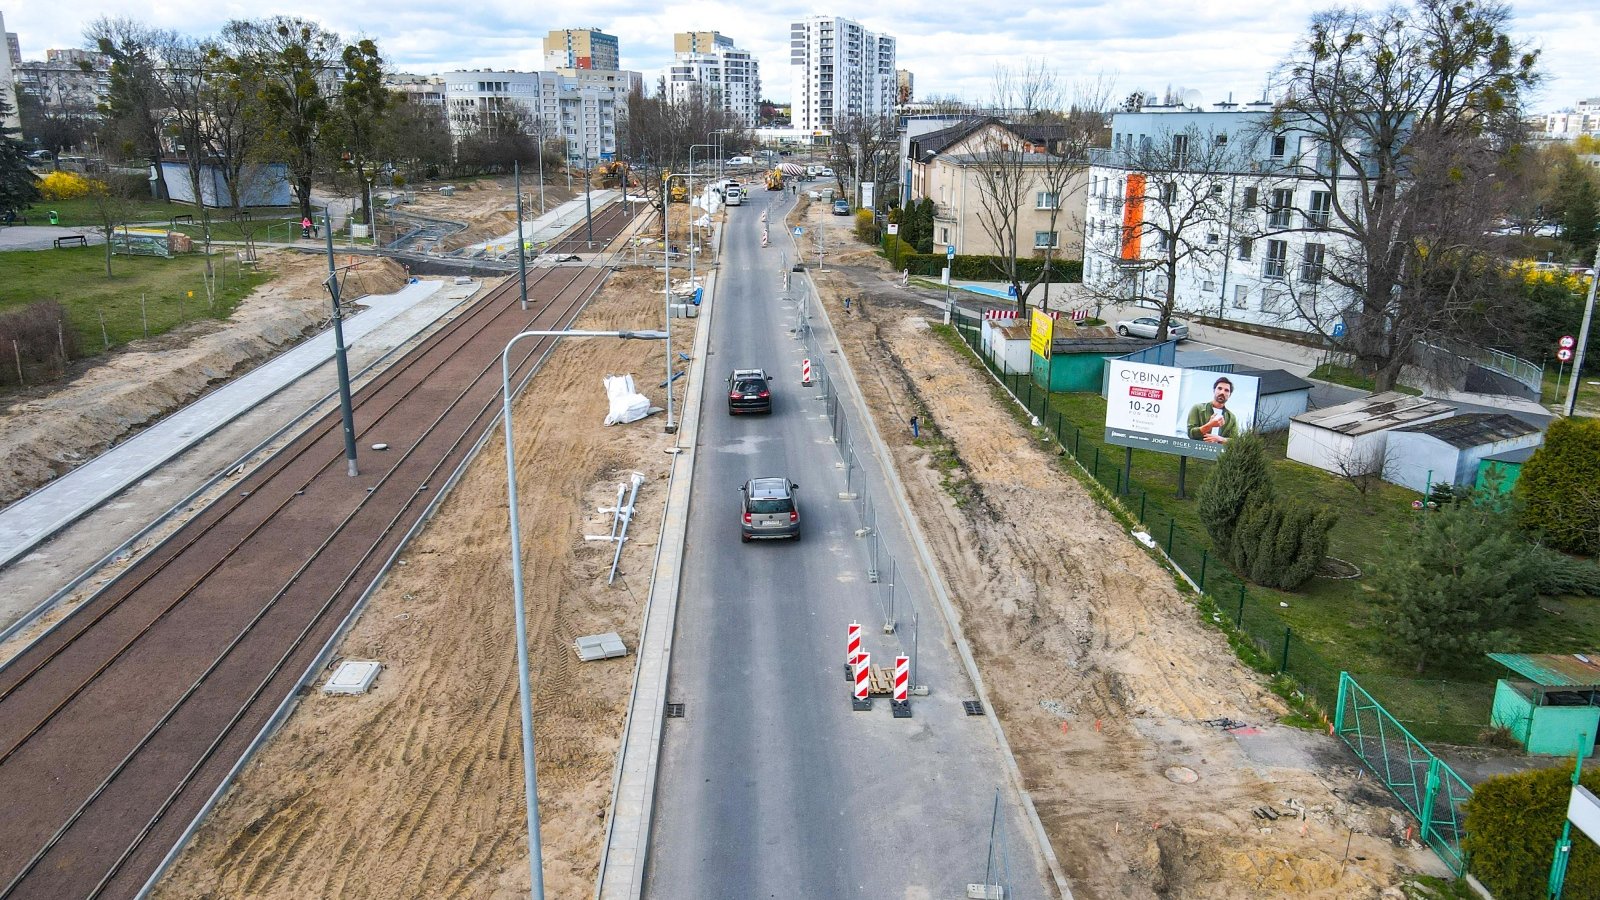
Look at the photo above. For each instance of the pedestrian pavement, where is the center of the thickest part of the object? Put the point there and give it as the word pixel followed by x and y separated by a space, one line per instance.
pixel 35 518
pixel 42 237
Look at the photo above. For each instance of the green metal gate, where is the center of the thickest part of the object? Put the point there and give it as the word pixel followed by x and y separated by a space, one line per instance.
pixel 1428 788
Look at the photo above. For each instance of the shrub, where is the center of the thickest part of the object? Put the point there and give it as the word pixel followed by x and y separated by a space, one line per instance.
pixel 63 186
pixel 1242 472
pixel 988 268
pixel 1513 823
pixel 1561 575
pixel 1280 542
pixel 865 227
pixel 896 250
pixel 1559 488
pixel 40 332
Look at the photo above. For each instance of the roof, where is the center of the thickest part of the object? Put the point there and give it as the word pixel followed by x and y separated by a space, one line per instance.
pixel 978 159
pixel 1097 344
pixel 1375 412
pixel 1519 455
pixel 1554 669
pixel 1276 381
pixel 929 143
pixel 1473 429
pixel 769 488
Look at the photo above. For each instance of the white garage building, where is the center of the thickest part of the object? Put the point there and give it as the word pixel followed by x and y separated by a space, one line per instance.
pixel 1449 450
pixel 1352 438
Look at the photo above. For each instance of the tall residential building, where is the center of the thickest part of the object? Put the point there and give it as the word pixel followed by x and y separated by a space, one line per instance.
pixel 424 90
pixel 1568 124
pixel 840 71
pixel 8 84
pixel 580 106
pixel 67 83
pixel 904 87
pixel 581 48
pixel 708 62
pixel 14 48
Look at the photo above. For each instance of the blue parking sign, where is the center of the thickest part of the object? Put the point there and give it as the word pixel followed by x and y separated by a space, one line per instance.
pixel 950 252
pixel 1338 329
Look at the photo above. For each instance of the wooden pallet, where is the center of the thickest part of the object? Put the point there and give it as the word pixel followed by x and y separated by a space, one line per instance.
pixel 880 681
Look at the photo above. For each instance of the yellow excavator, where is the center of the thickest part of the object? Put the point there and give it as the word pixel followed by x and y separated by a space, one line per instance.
pixel 775 180
pixel 677 189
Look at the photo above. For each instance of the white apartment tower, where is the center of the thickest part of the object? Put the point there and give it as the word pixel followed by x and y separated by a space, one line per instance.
pixel 8 84
pixel 709 63
pixel 581 107
pixel 840 71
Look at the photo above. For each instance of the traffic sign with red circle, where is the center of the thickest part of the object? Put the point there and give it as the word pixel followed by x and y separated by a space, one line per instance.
pixel 1567 342
pixel 1564 354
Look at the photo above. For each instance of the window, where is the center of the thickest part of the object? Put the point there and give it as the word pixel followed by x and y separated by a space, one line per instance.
pixel 1280 146
pixel 1216 190
pixel 1169 192
pixel 1044 239
pixel 1311 264
pixel 1045 200
pixel 1246 247
pixel 1241 296
pixel 1282 204
pixel 1252 197
pixel 1220 139
pixel 944 235
pixel 1321 207
pixel 1277 257
pixel 1213 239
pixel 1180 147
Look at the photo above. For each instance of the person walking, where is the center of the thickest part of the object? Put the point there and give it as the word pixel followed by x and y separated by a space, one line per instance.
pixel 915 432
pixel 305 226
pixel 847 304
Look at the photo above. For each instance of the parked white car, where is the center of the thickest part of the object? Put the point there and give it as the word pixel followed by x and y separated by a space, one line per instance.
pixel 1145 327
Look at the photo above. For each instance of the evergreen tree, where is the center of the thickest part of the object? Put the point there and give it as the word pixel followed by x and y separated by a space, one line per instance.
pixel 1580 211
pixel 1242 472
pixel 1463 577
pixel 1559 487
pixel 18 186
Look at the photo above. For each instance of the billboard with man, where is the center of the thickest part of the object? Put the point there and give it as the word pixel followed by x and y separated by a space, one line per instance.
pixel 1190 412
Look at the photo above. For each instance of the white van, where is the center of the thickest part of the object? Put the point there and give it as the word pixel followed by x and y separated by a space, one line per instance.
pixel 740 161
pixel 734 195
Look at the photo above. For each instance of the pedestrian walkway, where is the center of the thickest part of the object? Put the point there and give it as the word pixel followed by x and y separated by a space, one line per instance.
pixel 35 518
pixel 551 225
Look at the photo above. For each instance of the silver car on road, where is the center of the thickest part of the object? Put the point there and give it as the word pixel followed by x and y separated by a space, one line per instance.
pixel 1145 327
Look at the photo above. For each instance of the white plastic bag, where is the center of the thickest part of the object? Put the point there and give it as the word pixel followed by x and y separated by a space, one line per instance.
pixel 627 404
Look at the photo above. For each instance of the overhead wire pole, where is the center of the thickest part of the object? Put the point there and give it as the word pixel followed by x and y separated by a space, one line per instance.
pixel 530 776
pixel 1583 337
pixel 588 210
pixel 522 239
pixel 666 269
pixel 541 167
pixel 691 207
pixel 347 412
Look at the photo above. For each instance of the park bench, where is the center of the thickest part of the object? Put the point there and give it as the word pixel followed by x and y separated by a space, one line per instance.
pixel 71 240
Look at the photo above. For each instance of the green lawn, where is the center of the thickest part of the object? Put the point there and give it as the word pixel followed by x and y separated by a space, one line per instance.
pixel 81 212
pixel 1335 624
pixel 76 277
pixel 1349 377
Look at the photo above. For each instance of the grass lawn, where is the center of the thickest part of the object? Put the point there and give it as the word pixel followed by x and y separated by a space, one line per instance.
pixel 1349 377
pixel 76 277
pixel 81 212
pixel 1337 624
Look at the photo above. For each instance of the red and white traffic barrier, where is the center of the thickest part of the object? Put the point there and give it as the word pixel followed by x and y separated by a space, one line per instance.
pixel 860 700
pixel 999 314
pixel 1080 315
pixel 901 702
pixel 852 649
pixel 805 373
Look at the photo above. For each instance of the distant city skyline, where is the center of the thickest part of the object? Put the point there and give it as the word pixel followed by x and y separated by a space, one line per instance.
pixel 1228 48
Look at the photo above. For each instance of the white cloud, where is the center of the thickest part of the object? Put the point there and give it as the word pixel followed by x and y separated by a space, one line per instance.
pixel 1217 48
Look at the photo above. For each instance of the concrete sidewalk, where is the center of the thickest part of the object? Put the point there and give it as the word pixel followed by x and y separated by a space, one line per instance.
pixel 35 518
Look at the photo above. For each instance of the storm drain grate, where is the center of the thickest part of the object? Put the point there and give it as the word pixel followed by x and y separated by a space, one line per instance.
pixel 674 710
pixel 973 707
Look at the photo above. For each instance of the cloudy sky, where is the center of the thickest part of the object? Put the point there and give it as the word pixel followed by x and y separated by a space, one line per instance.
pixel 1229 47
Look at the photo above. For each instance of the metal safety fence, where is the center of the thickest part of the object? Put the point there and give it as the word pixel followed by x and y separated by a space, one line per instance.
pixel 1428 788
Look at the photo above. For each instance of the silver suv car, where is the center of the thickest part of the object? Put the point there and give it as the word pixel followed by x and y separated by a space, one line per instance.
pixel 768 509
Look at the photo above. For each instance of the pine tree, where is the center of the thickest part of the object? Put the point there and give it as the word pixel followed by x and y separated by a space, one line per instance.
pixel 1559 487
pixel 19 188
pixel 1242 472
pixel 1464 576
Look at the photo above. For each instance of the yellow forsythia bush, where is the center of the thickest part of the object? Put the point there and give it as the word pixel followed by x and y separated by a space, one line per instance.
pixel 63 186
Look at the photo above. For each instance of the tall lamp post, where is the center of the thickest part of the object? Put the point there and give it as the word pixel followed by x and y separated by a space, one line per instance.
pixel 1583 338
pixel 691 206
pixel 522 239
pixel 530 780
pixel 722 153
pixel 666 269
pixel 347 412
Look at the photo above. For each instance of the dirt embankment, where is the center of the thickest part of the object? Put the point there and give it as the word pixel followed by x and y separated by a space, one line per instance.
pixel 47 434
pixel 1094 661
pixel 415 790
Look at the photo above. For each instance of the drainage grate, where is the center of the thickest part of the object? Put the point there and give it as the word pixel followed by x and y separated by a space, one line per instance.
pixel 674 710
pixel 973 707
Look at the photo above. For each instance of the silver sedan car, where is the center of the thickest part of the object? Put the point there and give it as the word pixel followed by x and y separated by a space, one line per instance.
pixel 1145 327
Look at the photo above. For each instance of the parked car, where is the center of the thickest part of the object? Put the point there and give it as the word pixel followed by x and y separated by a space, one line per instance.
pixel 1145 327
pixel 39 156
pixel 749 391
pixel 841 207
pixel 734 196
pixel 824 172
pixel 768 510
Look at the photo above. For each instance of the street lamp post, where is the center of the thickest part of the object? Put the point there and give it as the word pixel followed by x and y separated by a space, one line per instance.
pixel 666 269
pixel 522 239
pixel 588 209
pixel 530 780
pixel 691 206
pixel 346 410
pixel 1583 337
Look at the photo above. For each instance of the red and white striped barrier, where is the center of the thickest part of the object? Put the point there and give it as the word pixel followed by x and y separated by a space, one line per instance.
pixel 852 648
pixel 1079 315
pixel 863 678
pixel 999 314
pixel 805 373
pixel 901 702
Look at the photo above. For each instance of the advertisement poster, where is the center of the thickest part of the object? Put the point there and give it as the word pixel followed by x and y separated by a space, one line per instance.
pixel 1190 412
pixel 1040 335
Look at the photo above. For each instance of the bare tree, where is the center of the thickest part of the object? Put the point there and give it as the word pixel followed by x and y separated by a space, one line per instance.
pixel 1179 186
pixel 133 104
pixel 1364 468
pixel 112 202
pixel 866 149
pixel 657 135
pixel 1405 111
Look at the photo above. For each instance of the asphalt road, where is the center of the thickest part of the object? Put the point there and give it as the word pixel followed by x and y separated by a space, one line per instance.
pixel 770 785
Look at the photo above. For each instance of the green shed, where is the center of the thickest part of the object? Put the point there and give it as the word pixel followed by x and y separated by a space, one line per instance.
pixel 1500 471
pixel 1078 363
pixel 1554 702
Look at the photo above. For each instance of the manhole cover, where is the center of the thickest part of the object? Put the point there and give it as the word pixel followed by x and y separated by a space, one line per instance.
pixel 1181 775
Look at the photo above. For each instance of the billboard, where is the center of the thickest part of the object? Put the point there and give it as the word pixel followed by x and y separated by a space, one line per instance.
pixel 1039 336
pixel 1190 412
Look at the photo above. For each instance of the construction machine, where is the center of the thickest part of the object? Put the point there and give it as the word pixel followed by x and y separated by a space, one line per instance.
pixel 677 189
pixel 775 180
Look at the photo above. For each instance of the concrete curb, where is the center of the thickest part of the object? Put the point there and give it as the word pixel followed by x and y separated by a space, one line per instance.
pixel 942 595
pixel 623 857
